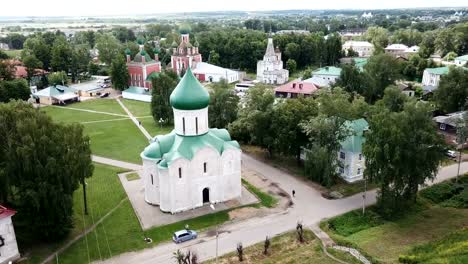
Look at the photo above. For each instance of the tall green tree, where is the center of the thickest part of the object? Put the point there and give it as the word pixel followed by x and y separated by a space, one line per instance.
pixel 291 65
pixel 6 70
pixel 32 64
pixel 380 71
pixel 79 61
pixel 38 47
pixel 108 46
pixel 119 73
pixel 402 151
pixel 57 78
pixel 452 93
pixel 41 163
pixel 61 55
pixel 224 104
pixel 14 90
pixel 351 79
pixel 163 85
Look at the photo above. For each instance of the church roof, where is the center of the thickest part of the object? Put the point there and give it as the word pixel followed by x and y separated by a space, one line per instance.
pixel 128 51
pixel 140 55
pixel 170 147
pixel 6 212
pixel 189 94
pixel 330 70
pixel 270 51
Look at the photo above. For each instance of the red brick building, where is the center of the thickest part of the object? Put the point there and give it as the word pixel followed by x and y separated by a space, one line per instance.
pixel 142 68
pixel 185 54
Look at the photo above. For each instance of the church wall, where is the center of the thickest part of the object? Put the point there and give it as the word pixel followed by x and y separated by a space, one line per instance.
pixel 210 179
pixel 231 173
pixel 179 185
pixel 164 190
pixel 189 118
pixel 151 181
pixel 9 251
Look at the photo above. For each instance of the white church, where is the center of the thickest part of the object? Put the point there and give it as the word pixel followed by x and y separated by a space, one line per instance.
pixel 270 69
pixel 193 165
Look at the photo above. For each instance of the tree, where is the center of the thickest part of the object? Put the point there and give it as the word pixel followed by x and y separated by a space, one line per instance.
pixel 377 36
pixel 57 78
pixel 333 49
pixel 32 64
pixel 42 191
pixel 123 34
pixel 61 55
pixel 291 65
pixel 108 46
pixel 38 47
pixel 393 99
pixel 3 55
pixel 6 70
pixel 351 79
pixel 93 68
pixel 266 245
pixel 213 58
pixel 402 151
pixel 224 104
pixel 381 71
pixel 293 51
pixel 119 73
pixel 14 90
pixel 79 62
pixel 163 85
pixel 452 93
pixel 351 53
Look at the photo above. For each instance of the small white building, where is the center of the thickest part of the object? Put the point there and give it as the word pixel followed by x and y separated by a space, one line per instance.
pixel 270 69
pixel 431 76
pixel 8 246
pixel 212 73
pixel 401 50
pixel 193 165
pixel 461 61
pixel 325 77
pixel 350 154
pixel 363 48
pixel 137 93
pixel 57 94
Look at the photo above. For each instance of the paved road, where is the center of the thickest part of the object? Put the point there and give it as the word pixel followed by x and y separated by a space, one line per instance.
pixel 309 207
pixel 135 121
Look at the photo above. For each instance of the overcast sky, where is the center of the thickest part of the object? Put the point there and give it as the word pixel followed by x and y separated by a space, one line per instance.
pixel 119 7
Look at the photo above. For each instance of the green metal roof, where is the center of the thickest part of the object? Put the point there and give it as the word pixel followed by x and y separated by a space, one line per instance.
pixel 462 58
pixel 140 55
pixel 54 91
pixel 360 63
pixel 438 71
pixel 137 90
pixel 168 148
pixel 128 51
pixel 354 142
pixel 174 44
pixel 328 71
pixel 152 75
pixel 189 94
pixel 185 29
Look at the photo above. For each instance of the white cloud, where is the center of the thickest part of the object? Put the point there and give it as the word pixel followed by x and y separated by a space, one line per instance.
pixel 113 7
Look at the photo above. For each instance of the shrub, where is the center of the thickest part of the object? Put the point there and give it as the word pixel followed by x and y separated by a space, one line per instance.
pixel 354 221
pixel 439 192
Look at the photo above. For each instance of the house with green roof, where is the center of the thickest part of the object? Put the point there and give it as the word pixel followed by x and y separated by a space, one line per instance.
pixel 194 164
pixel 350 155
pixel 325 77
pixel 461 61
pixel 431 76
pixel 57 94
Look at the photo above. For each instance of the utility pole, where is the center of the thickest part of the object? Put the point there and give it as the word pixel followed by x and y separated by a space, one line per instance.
pixel 84 195
pixel 459 161
pixel 364 196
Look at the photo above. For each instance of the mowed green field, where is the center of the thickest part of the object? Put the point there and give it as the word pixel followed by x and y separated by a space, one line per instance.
pixel 142 111
pixel 100 105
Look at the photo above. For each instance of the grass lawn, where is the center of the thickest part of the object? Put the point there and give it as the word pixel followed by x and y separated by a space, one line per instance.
pixel 286 249
pixel 153 128
pixel 265 199
pixel 100 105
pixel 132 176
pixel 104 192
pixel 137 108
pixel 438 228
pixel 120 140
pixel 13 53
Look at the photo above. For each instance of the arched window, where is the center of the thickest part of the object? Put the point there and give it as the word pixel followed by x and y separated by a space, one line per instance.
pixel 180 173
pixel 152 182
pixel 183 125
pixel 204 167
pixel 196 125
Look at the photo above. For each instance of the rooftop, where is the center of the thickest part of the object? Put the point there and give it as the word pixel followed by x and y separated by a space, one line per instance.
pixel 354 142
pixel 438 71
pixel 6 212
pixel 396 47
pixel 297 86
pixel 189 94
pixel 358 43
pixel 462 58
pixel 335 71
pixel 137 90
pixel 58 91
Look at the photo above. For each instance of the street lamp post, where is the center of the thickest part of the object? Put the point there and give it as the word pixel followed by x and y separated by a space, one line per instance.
pixel 217 233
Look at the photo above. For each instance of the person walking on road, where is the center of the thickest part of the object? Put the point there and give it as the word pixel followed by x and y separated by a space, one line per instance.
pixel 294 193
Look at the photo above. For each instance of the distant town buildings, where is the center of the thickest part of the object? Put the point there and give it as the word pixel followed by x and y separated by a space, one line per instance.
pixel 367 15
pixel 461 61
pixel 401 50
pixel 363 48
pixel 293 31
pixel 8 247
pixel 270 69
pixel 295 88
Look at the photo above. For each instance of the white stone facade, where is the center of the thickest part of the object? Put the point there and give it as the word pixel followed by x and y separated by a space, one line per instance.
pixel 363 48
pixel 9 250
pixel 191 122
pixel 270 69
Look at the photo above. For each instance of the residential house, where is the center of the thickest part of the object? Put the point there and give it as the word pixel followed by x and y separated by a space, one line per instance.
pixel 295 88
pixel 363 48
pixel 431 77
pixel 350 155
pixel 324 77
pixel 461 61
pixel 401 50
pixel 447 125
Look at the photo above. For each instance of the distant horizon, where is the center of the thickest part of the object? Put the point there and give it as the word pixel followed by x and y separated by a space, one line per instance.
pixel 108 8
